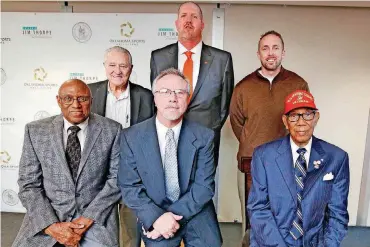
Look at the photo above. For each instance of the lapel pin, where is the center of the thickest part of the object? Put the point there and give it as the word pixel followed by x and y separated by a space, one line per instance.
pixel 205 62
pixel 317 164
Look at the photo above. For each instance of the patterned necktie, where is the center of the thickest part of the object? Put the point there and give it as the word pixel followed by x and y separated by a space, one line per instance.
pixel 170 167
pixel 73 150
pixel 188 71
pixel 300 173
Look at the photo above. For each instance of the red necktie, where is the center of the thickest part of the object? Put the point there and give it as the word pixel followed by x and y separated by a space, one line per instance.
pixel 188 71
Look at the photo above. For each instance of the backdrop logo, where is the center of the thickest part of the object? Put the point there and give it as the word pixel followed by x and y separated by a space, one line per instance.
pixel 5 40
pixel 3 76
pixel 167 33
pixel 7 120
pixel 35 32
pixel 127 30
pixel 10 197
pixel 39 74
pixel 81 32
pixel 83 77
pixel 39 80
pixel 5 160
pixel 4 157
pixel 41 115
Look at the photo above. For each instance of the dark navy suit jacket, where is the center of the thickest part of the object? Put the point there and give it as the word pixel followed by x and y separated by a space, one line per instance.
pixel 142 182
pixel 273 197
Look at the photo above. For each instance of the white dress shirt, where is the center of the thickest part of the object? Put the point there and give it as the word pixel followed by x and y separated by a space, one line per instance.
pixel 119 109
pixel 81 135
pixel 197 52
pixel 161 133
pixel 294 148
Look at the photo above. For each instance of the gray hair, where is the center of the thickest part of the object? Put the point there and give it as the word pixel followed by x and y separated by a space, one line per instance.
pixel 119 49
pixel 171 71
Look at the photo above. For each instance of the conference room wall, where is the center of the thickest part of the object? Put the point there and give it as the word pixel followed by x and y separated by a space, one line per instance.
pixel 325 45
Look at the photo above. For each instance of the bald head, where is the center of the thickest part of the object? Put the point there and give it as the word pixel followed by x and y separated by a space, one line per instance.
pixel 74 100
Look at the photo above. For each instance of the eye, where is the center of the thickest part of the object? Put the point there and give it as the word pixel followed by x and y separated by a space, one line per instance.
pixel 67 98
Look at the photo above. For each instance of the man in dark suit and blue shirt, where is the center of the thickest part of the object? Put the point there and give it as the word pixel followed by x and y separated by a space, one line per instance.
pixel 167 171
pixel 300 184
pixel 208 69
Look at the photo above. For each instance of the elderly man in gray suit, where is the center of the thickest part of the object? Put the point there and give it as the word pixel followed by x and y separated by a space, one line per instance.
pixel 208 69
pixel 68 176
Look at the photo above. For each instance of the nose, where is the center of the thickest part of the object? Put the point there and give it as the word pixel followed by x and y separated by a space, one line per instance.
pixel 173 97
pixel 75 103
pixel 116 69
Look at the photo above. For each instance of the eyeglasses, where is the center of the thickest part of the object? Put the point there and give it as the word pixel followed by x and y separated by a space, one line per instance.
pixel 180 93
pixel 308 116
pixel 68 100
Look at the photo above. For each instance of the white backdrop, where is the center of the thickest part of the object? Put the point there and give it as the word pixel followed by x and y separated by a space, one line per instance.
pixel 39 51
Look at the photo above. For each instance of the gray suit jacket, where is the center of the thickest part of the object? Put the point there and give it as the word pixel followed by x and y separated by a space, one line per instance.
pixel 209 105
pixel 142 182
pixel 142 103
pixel 46 187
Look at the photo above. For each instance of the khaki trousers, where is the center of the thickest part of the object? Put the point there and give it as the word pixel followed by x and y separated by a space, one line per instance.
pixel 125 232
pixel 241 190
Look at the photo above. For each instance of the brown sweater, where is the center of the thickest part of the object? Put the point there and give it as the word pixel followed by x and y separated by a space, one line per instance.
pixel 256 109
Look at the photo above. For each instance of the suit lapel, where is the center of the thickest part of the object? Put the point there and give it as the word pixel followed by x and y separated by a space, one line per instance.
pixel 134 104
pixel 58 146
pixel 317 154
pixel 92 133
pixel 285 164
pixel 173 56
pixel 151 151
pixel 100 99
pixel 185 155
pixel 206 59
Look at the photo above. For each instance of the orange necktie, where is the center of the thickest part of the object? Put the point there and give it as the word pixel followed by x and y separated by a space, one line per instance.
pixel 188 71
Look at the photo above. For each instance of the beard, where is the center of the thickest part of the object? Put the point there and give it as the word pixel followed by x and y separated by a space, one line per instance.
pixel 172 115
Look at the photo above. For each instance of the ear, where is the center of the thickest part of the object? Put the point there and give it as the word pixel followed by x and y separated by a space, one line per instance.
pixel 285 121
pixel 258 54
pixel 316 119
pixel 58 101
pixel 283 54
pixel 177 24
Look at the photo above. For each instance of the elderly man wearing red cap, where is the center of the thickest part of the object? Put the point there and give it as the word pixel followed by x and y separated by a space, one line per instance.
pixel 299 184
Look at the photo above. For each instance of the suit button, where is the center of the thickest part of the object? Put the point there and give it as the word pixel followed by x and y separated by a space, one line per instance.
pixel 78 194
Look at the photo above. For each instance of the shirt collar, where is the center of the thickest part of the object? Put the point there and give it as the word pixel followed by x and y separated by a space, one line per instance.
pixel 295 146
pixel 196 49
pixel 163 129
pixel 82 125
pixel 123 95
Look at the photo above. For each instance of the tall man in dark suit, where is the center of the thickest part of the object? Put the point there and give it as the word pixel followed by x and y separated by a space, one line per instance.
pixel 67 176
pixel 300 184
pixel 208 69
pixel 121 100
pixel 167 171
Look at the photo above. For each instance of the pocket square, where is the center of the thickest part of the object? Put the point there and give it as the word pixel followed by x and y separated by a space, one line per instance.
pixel 328 176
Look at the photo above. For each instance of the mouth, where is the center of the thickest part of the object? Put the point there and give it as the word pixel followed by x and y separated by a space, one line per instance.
pixel 271 60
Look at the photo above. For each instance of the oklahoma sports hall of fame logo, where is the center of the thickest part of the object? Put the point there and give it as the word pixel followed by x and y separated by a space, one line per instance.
pixel 10 197
pixel 40 80
pixel 81 32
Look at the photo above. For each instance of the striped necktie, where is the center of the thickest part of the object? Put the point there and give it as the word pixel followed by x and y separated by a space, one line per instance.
pixel 300 173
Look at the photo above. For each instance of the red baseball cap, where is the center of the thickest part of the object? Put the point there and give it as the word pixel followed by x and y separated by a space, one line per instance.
pixel 299 99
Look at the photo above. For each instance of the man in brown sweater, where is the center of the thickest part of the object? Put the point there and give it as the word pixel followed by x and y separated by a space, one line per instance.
pixel 256 108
